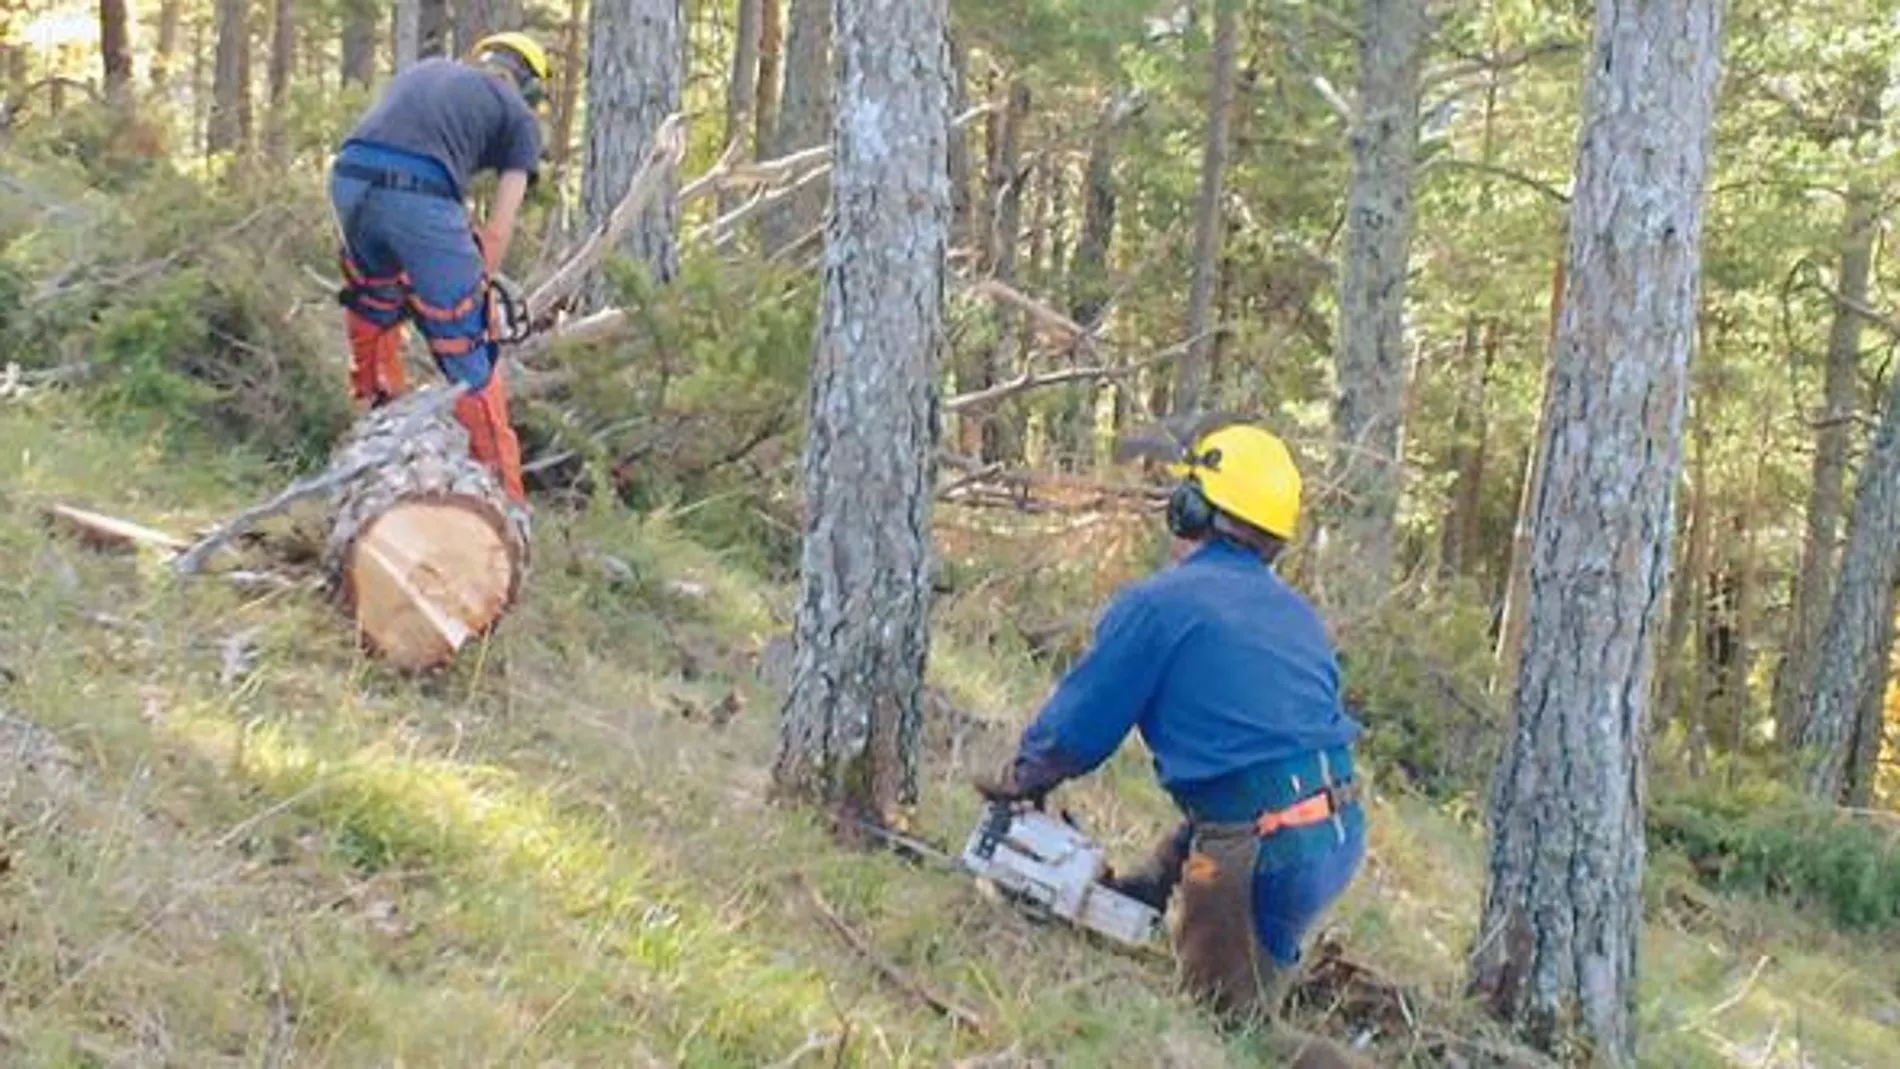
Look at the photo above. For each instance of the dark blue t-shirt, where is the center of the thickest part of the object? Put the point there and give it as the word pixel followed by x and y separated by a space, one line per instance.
pixel 463 118
pixel 1217 662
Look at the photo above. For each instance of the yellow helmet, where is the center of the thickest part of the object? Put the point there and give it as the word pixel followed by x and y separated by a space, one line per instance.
pixel 524 48
pixel 1244 471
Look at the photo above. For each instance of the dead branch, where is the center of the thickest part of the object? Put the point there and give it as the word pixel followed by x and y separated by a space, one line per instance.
pixel 1497 64
pixel 107 532
pixel 192 559
pixel 1036 380
pixel 1061 326
pixel 1529 182
pixel 668 148
pixel 884 968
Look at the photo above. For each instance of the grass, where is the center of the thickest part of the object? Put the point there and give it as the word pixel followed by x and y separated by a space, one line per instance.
pixel 242 843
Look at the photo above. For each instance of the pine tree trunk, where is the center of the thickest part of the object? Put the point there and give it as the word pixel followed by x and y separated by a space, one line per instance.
pixel 742 88
pixel 1827 495
pixel 852 722
pixel 962 221
pixel 804 116
pixel 476 19
pixel 1193 369
pixel 1372 360
pixel 1562 912
pixel 1510 645
pixel 771 75
pixel 1684 602
pixel 1088 277
pixel 1870 729
pixel 426 552
pixel 406 33
pixel 283 60
pixel 634 54
pixel 228 123
pixel 165 50
pixel 1001 436
pixel 433 28
pixel 567 104
pixel 359 43
pixel 1863 594
pixel 115 50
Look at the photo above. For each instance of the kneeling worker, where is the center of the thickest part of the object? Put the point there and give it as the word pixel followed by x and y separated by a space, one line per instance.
pixel 1229 676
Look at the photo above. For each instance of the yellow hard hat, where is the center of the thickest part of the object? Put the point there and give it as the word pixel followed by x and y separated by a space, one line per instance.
pixel 1244 471
pixel 524 48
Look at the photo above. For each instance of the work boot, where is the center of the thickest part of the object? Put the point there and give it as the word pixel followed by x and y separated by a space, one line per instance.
pixel 1152 882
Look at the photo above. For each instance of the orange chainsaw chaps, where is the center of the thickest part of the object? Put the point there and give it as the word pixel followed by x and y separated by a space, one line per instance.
pixel 491 438
pixel 376 371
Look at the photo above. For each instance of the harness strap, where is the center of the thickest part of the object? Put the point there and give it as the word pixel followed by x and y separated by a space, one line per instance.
pixel 1327 804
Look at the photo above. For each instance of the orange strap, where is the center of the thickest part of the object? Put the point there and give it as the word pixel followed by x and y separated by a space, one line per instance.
pixel 1313 809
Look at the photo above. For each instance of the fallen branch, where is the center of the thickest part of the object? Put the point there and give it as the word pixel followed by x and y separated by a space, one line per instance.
pixel 884 968
pixel 192 560
pixel 111 533
pixel 1732 1001
pixel 668 148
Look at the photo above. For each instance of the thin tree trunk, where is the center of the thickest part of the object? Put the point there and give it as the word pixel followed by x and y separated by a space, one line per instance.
pixel 635 49
pixel 1368 403
pixel 476 19
pixel 283 60
pixel 1517 572
pixel 1562 918
pixel 1001 438
pixel 742 88
pixel 804 116
pixel 1862 596
pixel 433 28
pixel 226 129
pixel 1468 454
pixel 771 74
pixel 165 50
pixel 1193 370
pixel 1088 282
pixel 1827 495
pixel 359 43
pixel 115 50
pixel 406 33
pixel 1689 573
pixel 962 221
pixel 852 722
pixel 568 104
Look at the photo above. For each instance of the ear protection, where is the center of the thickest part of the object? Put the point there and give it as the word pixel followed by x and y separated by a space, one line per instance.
pixel 1190 513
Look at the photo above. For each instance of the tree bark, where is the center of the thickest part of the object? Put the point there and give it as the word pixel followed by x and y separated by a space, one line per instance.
pixel 165 49
pixel 771 73
pixel 1827 490
pixel 852 722
pixel 1870 729
pixel 406 33
pixel 433 28
pixel 476 19
pixel 1517 569
pixel 1372 361
pixel 804 116
pixel 1459 541
pixel 635 50
pixel 568 104
pixel 1191 381
pixel 1562 915
pixel 229 123
pixel 115 49
pixel 283 59
pixel 742 88
pixel 359 43
pixel 1863 594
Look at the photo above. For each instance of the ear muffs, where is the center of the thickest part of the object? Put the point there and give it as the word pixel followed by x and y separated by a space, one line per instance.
pixel 1190 514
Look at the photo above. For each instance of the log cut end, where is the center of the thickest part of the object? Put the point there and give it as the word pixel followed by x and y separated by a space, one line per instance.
pixel 425 550
pixel 427 575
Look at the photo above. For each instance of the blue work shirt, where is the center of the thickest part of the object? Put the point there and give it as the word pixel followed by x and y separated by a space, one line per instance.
pixel 1222 667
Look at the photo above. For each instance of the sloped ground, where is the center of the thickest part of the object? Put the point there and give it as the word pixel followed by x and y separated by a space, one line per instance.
pixel 228 839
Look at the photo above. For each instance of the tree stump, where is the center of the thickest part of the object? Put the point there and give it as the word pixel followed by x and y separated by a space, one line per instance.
pixel 425 550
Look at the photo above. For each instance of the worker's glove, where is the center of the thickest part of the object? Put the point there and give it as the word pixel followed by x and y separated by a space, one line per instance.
pixel 1002 785
pixel 487 246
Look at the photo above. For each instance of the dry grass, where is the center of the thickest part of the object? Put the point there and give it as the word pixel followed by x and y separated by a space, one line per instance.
pixel 239 842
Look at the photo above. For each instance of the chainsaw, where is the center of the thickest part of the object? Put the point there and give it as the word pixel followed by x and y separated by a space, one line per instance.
pixel 1048 865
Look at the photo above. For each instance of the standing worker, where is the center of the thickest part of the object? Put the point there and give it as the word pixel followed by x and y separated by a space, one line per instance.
pixel 408 248
pixel 1229 676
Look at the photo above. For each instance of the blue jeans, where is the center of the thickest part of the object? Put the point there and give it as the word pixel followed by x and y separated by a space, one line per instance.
pixel 1291 890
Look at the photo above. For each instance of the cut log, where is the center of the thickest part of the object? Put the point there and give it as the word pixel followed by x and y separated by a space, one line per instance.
pixel 425 551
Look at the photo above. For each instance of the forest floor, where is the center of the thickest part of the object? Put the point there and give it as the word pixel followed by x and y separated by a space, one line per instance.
pixel 226 838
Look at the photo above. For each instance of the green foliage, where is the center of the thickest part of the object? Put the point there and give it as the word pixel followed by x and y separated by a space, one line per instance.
pixel 1762 837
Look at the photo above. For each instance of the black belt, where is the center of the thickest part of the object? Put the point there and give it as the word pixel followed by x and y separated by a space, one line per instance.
pixel 401 181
